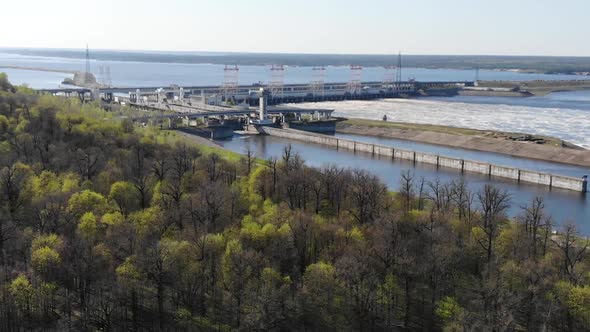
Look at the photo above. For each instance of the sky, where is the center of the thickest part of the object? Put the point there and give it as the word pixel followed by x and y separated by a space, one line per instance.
pixel 494 27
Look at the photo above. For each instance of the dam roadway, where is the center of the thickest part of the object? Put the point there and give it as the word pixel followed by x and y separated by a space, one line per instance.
pixel 286 93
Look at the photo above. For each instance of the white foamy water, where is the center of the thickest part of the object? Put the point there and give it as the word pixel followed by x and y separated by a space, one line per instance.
pixel 571 125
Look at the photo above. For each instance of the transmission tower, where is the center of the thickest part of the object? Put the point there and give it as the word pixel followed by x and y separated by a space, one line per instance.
pixel 230 81
pixel 277 79
pixel 388 76
pixel 108 79
pixel 318 77
pixel 398 73
pixel 356 75
pixel 101 75
pixel 87 71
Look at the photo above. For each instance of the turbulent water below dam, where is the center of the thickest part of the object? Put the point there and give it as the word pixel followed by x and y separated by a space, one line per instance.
pixel 565 115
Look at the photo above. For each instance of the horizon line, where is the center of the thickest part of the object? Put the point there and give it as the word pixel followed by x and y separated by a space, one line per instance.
pixel 83 49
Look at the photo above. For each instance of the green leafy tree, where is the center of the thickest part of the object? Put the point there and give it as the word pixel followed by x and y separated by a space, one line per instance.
pixel 124 195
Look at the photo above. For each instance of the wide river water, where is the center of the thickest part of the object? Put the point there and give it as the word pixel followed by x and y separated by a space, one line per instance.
pixel 565 115
pixel 131 74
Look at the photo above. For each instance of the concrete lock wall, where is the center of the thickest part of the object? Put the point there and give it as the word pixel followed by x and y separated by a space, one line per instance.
pixel 383 151
pixel 426 158
pixel 364 147
pixel 568 183
pixel 556 181
pixel 404 154
pixel 450 162
pixel 476 167
pixel 345 144
pixel 535 177
pixel 505 172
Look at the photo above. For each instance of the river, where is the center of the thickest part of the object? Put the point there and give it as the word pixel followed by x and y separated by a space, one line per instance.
pixel 131 73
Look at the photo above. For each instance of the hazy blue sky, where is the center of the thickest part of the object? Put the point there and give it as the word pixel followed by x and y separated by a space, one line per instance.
pixel 521 27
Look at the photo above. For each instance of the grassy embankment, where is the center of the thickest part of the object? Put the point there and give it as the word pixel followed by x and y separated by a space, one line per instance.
pixel 540 88
pixel 444 129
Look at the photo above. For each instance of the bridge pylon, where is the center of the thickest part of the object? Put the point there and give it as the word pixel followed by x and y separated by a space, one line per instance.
pixel 318 77
pixel 355 82
pixel 277 79
pixel 230 82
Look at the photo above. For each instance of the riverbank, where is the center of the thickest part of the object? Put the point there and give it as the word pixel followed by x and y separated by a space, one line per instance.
pixel 519 145
pixel 539 88
pixel 493 93
pixel 51 70
pixel 207 145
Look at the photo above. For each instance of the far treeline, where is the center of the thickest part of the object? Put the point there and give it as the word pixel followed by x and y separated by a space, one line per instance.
pixel 536 64
pixel 105 226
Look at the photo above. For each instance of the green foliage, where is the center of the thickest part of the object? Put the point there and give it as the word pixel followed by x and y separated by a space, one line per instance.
pixel 389 291
pixel 109 226
pixel 448 309
pixel 52 241
pixel 575 298
pixel 190 322
pixel 44 259
pixel 147 221
pixel 22 291
pixel 113 219
pixel 87 201
pixel 578 302
pixel 128 271
pixel 88 226
pixel 124 195
pixel 5 84
pixel 320 274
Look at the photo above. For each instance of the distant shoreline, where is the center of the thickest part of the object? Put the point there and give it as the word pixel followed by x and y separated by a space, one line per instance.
pixel 550 65
pixel 540 88
pixel 64 71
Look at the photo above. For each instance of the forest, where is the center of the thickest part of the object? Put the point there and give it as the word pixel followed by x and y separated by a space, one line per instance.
pixel 109 226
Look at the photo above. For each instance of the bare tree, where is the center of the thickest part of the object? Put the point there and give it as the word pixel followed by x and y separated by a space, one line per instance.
pixel 440 195
pixel 463 198
pixel 534 219
pixel 421 193
pixel 494 204
pixel 249 160
pixel 407 189
pixel 573 250
pixel 367 196
pixel 272 163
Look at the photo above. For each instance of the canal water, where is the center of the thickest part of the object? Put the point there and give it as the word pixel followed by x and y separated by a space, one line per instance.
pixel 563 205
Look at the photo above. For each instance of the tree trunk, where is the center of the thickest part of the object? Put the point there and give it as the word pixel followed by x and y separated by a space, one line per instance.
pixel 160 296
